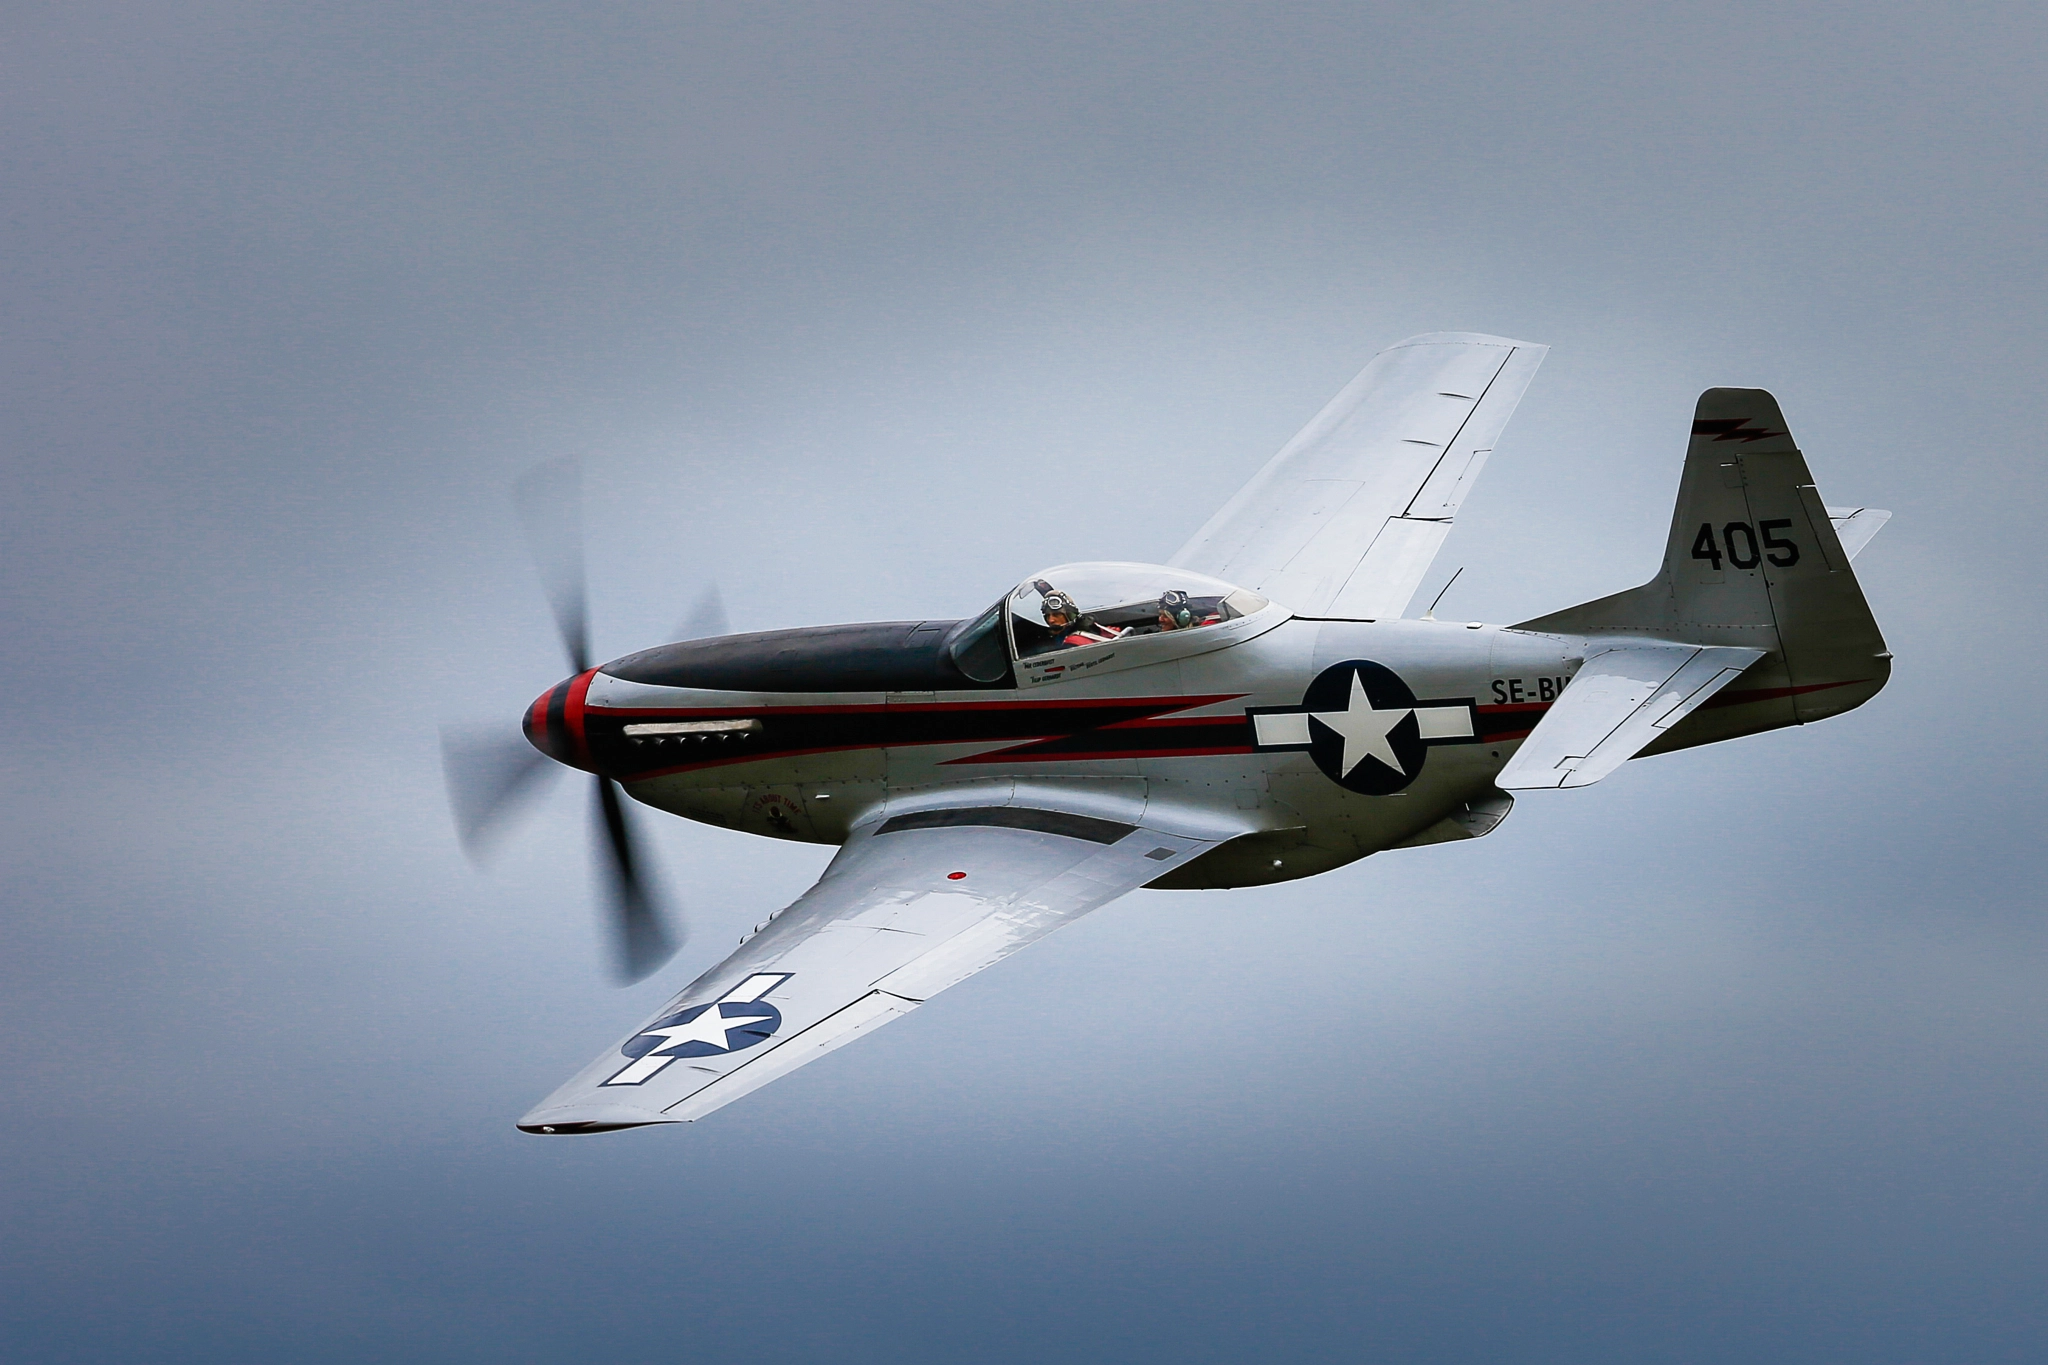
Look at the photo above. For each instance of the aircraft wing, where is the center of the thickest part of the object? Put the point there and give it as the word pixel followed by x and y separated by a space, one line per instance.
pixel 914 901
pixel 1616 704
pixel 1345 520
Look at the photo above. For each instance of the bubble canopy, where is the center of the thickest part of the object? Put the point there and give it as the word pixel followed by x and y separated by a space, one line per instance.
pixel 1076 605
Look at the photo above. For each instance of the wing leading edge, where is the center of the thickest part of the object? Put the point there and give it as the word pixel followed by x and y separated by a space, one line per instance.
pixel 913 903
pixel 1346 519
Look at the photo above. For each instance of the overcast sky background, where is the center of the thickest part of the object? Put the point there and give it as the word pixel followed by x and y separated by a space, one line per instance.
pixel 869 310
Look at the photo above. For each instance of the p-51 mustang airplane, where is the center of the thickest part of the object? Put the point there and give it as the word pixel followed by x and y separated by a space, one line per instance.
pixel 1253 711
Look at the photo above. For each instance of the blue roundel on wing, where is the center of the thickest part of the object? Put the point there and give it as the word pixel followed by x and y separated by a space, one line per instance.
pixel 706 1030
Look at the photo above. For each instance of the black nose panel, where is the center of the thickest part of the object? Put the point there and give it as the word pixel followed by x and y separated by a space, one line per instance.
pixel 547 726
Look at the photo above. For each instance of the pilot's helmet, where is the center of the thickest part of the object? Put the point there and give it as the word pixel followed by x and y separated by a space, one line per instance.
pixel 1059 604
pixel 1175 606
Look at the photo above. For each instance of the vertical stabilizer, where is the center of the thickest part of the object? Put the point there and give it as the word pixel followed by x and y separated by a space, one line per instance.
pixel 1753 561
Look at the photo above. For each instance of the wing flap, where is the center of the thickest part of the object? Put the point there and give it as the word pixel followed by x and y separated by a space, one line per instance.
pixel 907 908
pixel 1379 588
pixel 1619 702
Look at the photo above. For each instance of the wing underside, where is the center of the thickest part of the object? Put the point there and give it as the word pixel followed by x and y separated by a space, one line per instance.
pixel 1347 518
pixel 915 901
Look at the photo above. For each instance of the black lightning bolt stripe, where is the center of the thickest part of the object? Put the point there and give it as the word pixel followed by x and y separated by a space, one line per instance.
pixel 1178 738
pixel 1030 726
pixel 1731 429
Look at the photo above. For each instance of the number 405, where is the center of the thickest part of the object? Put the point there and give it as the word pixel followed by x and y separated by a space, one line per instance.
pixel 1742 542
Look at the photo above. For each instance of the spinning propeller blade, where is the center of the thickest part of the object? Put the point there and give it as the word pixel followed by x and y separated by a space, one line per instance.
pixel 707 617
pixel 490 775
pixel 641 940
pixel 550 501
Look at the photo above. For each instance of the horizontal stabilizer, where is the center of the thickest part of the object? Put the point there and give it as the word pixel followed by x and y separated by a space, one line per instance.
pixel 1619 702
pixel 1854 526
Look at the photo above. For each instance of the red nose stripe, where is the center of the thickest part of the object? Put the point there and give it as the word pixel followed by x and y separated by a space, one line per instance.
pixel 537 720
pixel 572 716
pixel 547 724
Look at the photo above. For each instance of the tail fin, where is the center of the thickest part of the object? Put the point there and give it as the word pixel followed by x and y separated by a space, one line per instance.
pixel 1753 561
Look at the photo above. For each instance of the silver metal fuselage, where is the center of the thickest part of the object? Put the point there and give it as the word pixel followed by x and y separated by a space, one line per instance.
pixel 1191 743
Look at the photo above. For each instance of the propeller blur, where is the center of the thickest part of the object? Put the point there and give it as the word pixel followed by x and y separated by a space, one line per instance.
pixel 491 774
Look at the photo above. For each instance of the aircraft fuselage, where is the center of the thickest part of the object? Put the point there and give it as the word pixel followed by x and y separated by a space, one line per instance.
pixel 798 734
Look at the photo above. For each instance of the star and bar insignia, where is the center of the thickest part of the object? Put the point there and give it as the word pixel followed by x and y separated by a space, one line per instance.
pixel 1362 725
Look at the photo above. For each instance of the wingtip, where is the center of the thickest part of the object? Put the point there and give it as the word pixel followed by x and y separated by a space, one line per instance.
pixel 1467 339
pixel 575 1120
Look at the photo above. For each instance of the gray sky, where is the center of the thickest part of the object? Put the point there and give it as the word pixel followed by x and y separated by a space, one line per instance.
pixel 1738 1055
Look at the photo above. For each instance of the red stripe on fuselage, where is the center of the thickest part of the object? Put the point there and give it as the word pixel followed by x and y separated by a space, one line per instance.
pixel 1498 724
pixel 860 708
pixel 1023 756
pixel 872 726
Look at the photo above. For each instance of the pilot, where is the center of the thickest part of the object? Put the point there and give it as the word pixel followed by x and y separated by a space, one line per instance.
pixel 1068 623
pixel 1176 612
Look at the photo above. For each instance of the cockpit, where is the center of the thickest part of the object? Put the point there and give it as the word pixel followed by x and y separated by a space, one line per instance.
pixel 1091 604
pixel 1075 606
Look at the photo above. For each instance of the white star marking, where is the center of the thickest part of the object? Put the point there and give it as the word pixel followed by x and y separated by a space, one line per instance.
pixel 1364 730
pixel 708 1027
